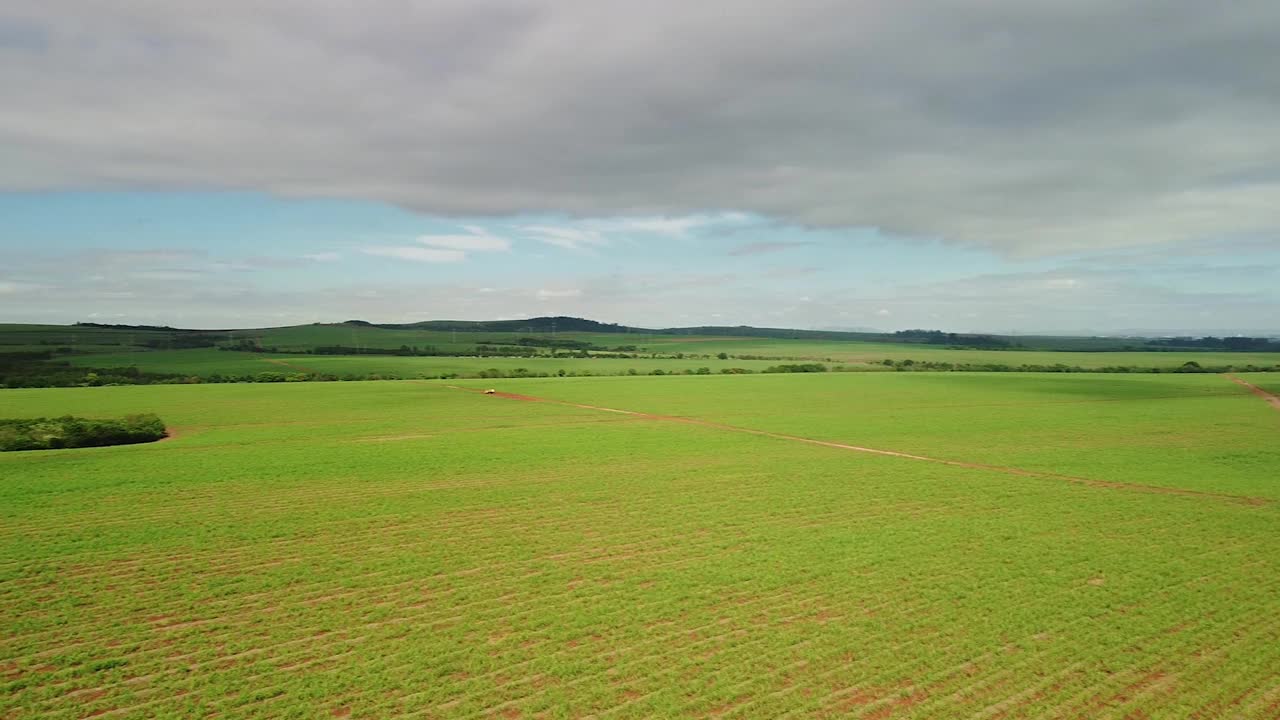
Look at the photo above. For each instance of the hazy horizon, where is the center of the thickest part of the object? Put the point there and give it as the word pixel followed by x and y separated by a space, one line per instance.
pixel 659 327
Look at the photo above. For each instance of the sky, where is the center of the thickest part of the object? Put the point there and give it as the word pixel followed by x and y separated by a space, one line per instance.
pixel 997 166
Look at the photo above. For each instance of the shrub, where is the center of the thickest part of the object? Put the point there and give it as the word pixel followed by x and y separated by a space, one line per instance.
pixel 798 368
pixel 74 432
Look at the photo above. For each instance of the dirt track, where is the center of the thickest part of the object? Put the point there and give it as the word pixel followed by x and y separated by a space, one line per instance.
pixel 1136 487
pixel 1272 399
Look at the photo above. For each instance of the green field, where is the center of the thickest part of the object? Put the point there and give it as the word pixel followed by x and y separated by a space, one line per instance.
pixel 413 549
pixel 153 351
pixel 872 352
pixel 207 362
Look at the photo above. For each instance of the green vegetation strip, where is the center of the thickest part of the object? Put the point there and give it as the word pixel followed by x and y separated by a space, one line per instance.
pixel 90 355
pixel 74 432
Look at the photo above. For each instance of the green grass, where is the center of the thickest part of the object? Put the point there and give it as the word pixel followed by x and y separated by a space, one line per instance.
pixel 303 337
pixel 404 549
pixel 199 361
pixel 48 336
pixel 111 347
pixel 207 362
pixel 1197 432
pixel 870 352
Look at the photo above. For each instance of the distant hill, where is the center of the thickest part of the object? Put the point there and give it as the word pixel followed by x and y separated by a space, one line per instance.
pixel 172 338
pixel 559 323
pixel 563 323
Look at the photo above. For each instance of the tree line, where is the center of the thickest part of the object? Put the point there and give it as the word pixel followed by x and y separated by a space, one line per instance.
pixel 75 432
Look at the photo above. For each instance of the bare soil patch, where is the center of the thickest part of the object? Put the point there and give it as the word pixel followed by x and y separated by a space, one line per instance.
pixel 513 396
pixel 172 433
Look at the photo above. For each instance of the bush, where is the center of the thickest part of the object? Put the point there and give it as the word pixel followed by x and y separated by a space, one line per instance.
pixel 798 368
pixel 74 432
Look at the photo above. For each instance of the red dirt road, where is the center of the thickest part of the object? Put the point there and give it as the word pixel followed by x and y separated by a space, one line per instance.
pixel 1136 487
pixel 1272 399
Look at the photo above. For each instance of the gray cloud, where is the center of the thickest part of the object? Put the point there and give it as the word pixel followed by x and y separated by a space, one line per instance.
pixel 1029 127
pixel 762 248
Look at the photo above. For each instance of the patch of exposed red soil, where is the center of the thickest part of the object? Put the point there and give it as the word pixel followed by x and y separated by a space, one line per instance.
pixel 1272 400
pixel 343 711
pixel 172 433
pixel 513 396
pixel 1091 482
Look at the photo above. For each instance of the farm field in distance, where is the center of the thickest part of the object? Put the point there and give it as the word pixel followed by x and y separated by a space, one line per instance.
pixel 1063 546
pixel 361 351
pixel 204 361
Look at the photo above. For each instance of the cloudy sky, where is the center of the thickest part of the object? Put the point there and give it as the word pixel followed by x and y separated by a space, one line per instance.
pixel 998 165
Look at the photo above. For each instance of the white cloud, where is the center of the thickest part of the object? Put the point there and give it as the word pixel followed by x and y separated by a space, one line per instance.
pixel 670 226
pixel 883 312
pixel 416 254
pixel 167 274
pixel 570 238
pixel 9 287
pixel 551 294
pixel 323 256
pixel 477 239
pixel 595 232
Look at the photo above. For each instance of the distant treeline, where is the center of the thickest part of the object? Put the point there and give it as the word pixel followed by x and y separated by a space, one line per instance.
pixel 527 347
pixel 74 432
pixel 546 329
pixel 481 350
pixel 937 337
pixel 1187 367
pixel 1230 344
pixel 150 328
pixel 39 370
pixel 402 351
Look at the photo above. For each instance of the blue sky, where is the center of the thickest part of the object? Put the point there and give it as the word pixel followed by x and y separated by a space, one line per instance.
pixel 1062 167
pixel 220 259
